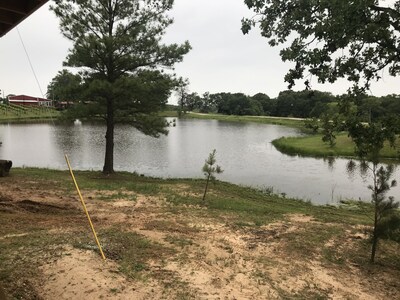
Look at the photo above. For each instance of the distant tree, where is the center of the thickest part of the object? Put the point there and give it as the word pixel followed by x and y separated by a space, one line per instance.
pixel 237 104
pixel 355 40
pixel 390 105
pixel 117 46
pixel 268 104
pixel 210 169
pixel 193 101
pixel 65 86
pixel 319 109
pixel 223 103
pixel 182 92
pixel 284 103
pixel 207 103
pixel 369 108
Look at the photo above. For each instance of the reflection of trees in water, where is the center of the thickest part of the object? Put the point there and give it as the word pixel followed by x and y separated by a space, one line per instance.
pixel 66 138
pixel 81 143
pixel 330 160
pixel 351 167
pixel 363 168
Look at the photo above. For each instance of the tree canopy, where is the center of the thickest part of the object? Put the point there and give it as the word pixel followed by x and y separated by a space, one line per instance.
pixel 332 39
pixel 118 50
pixel 65 86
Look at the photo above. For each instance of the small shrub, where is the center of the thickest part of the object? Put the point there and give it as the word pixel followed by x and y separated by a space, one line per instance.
pixel 210 170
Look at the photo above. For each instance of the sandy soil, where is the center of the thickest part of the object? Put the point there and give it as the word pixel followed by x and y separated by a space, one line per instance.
pixel 220 262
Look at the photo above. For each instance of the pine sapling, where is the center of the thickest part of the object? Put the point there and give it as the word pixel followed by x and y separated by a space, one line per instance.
pixel 210 169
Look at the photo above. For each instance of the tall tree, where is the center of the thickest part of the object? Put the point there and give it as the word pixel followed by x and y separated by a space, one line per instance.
pixel 118 49
pixel 332 38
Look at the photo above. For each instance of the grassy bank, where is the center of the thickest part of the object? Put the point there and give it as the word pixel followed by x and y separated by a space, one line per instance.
pixel 18 113
pixel 314 146
pixel 160 242
pixel 293 122
pixel 253 205
pixel 168 113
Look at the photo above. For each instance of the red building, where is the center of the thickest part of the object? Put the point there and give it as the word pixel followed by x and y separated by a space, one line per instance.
pixel 28 100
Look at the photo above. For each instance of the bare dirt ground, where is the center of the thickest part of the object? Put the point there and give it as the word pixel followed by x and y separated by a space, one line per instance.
pixel 210 259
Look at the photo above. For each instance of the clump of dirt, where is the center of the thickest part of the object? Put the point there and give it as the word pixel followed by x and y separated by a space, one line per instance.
pixel 37 207
pixel 5 203
pixel 8 205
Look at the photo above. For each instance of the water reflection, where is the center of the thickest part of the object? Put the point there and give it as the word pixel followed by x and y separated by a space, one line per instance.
pixel 330 161
pixel 244 151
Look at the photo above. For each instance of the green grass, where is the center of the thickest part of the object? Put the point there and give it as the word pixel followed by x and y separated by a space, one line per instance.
pixel 255 119
pixel 178 241
pixel 168 113
pixel 131 250
pixel 92 180
pixel 245 206
pixel 314 146
pixel 242 204
pixel 116 195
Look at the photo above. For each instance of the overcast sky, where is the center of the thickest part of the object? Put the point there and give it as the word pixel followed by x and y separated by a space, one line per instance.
pixel 222 58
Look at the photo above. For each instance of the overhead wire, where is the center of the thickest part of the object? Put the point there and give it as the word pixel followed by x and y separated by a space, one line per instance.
pixel 30 63
pixel 34 72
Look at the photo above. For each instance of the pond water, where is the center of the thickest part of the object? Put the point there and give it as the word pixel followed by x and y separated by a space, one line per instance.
pixel 244 151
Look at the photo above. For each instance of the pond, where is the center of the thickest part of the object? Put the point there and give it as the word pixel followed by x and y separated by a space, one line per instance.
pixel 244 151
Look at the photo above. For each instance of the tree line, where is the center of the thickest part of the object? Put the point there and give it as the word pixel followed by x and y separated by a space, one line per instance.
pixel 298 104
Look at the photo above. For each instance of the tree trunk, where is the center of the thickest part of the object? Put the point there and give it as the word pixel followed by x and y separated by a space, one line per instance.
pixel 375 232
pixel 374 246
pixel 109 157
pixel 205 190
pixel 376 207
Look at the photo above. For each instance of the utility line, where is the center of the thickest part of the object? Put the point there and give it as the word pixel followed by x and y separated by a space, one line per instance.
pixel 30 63
pixel 34 74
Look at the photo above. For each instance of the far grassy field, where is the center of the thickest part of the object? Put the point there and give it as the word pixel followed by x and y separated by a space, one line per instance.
pixel 19 113
pixel 314 146
pixel 168 113
pixel 293 122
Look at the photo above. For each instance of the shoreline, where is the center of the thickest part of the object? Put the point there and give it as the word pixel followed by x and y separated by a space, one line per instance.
pixel 312 146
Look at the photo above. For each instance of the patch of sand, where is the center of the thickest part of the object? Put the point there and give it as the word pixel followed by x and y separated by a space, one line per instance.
pixel 81 274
